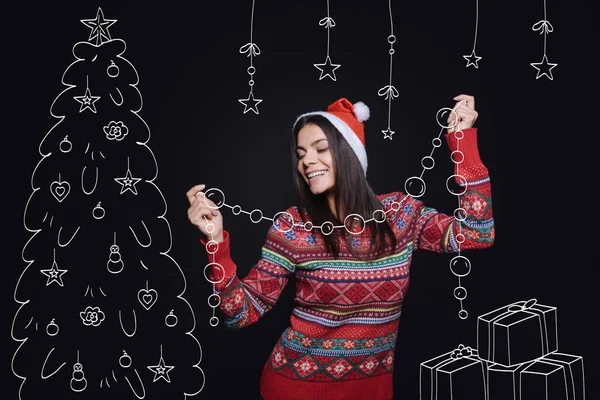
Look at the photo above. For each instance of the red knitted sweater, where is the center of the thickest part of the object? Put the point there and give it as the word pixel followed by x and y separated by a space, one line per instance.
pixel 342 334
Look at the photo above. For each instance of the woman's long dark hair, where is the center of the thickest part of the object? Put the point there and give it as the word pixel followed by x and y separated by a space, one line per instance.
pixel 353 194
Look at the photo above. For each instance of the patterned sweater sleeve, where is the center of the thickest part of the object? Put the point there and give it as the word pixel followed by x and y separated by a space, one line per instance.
pixel 474 228
pixel 244 301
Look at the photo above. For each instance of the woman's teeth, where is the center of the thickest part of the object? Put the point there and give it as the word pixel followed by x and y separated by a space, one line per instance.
pixel 315 174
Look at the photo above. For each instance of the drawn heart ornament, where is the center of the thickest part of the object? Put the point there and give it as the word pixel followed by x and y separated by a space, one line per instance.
pixel 147 297
pixel 60 190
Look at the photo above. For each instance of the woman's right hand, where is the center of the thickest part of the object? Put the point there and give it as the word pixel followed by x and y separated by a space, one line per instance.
pixel 203 214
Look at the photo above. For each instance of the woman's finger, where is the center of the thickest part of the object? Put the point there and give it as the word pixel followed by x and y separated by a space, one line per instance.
pixel 201 216
pixel 193 192
pixel 206 201
pixel 469 101
pixel 464 110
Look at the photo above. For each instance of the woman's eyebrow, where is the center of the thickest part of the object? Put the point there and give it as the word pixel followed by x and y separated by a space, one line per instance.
pixel 312 144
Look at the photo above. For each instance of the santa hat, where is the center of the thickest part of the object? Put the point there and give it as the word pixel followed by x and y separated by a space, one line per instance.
pixel 348 118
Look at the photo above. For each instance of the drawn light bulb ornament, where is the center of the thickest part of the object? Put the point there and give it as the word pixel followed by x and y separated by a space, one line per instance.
pixel 98 212
pixel 112 70
pixel 171 319
pixel 65 145
pixel 115 263
pixel 52 329
pixel 125 360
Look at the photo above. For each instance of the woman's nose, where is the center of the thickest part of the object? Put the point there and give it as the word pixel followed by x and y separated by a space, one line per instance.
pixel 309 159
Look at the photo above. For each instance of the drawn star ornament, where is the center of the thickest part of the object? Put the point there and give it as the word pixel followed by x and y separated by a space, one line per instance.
pixel 161 371
pixel 128 182
pixel 54 274
pixel 250 104
pixel 327 69
pixel 99 27
pixel 87 101
pixel 472 59
pixel 544 68
pixel 387 134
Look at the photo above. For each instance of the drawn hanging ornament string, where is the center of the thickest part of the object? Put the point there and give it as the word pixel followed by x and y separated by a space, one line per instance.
pixel 472 58
pixel 389 91
pixel 459 264
pixel 544 67
pixel 252 50
pixel 327 68
pixel 214 300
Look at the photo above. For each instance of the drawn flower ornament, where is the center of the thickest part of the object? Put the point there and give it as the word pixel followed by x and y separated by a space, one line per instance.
pixel 116 130
pixel 92 316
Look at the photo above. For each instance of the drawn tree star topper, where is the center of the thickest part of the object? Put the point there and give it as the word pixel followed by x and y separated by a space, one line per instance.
pixel 99 26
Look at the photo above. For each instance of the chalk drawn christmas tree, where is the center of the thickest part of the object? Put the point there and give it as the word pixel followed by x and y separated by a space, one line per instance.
pixel 101 309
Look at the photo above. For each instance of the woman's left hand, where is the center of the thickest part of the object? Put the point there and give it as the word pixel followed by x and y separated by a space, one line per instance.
pixel 465 111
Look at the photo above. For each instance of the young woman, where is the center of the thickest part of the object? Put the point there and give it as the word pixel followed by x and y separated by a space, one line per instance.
pixel 349 251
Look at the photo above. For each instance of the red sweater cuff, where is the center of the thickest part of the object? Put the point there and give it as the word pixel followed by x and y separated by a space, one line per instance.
pixel 223 250
pixel 467 145
pixel 222 257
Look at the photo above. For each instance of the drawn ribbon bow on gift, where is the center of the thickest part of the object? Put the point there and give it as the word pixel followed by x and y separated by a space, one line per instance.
pixel 528 304
pixel 327 22
pixel 543 26
pixel 461 352
pixel 388 91
pixel 250 48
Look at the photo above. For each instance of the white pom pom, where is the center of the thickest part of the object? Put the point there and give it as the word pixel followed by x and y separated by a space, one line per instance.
pixel 361 111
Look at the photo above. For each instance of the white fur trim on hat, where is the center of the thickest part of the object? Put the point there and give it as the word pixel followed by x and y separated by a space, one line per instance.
pixel 347 133
pixel 361 111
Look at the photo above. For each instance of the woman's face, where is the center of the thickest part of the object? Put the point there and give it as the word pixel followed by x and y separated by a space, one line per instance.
pixel 315 160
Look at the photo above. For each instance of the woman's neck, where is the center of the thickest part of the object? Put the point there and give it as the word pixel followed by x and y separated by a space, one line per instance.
pixel 331 203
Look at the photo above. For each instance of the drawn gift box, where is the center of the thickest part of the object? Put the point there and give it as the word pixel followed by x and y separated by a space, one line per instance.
pixel 456 375
pixel 556 376
pixel 504 383
pixel 517 333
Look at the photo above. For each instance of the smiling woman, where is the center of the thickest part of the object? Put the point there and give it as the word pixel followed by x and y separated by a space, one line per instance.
pixel 324 140
pixel 350 283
